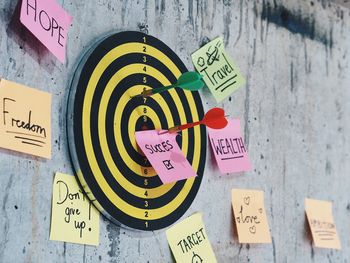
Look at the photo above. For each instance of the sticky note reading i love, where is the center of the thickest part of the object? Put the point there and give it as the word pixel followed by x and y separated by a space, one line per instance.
pixel 165 155
pixel 74 218
pixel 49 23
pixel 320 217
pixel 25 119
pixel 189 241
pixel 218 70
pixel 250 216
pixel 228 147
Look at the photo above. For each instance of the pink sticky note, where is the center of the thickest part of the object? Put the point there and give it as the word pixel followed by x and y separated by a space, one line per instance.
pixel 165 155
pixel 228 147
pixel 49 23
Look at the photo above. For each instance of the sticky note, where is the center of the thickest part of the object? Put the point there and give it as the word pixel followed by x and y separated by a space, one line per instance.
pixel 228 147
pixel 49 23
pixel 219 72
pixel 250 216
pixel 165 155
pixel 320 217
pixel 189 241
pixel 25 119
pixel 73 218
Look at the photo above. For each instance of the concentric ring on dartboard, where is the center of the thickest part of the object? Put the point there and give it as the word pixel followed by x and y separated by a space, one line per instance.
pixel 102 120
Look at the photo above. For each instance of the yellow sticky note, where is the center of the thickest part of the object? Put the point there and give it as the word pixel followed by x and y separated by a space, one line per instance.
pixel 74 218
pixel 25 119
pixel 250 216
pixel 189 241
pixel 219 72
pixel 320 217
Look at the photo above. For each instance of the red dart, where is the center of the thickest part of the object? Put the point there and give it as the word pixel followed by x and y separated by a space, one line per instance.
pixel 214 118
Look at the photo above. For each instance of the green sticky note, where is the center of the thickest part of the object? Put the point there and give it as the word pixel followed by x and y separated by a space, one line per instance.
pixel 218 70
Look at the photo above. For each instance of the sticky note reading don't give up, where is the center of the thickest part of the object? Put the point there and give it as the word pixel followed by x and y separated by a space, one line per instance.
pixel 189 241
pixel 74 218
pixel 49 22
pixel 165 155
pixel 25 119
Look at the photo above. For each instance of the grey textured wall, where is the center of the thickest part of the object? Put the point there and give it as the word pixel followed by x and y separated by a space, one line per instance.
pixel 295 112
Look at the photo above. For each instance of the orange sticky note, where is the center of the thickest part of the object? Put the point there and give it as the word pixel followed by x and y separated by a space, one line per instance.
pixel 25 119
pixel 320 217
pixel 250 216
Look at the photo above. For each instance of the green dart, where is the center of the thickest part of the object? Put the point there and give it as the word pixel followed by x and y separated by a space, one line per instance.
pixel 188 81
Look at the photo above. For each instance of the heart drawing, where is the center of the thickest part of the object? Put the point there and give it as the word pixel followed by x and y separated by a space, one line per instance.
pixel 246 200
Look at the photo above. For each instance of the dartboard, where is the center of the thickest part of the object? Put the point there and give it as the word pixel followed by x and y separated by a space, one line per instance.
pixel 103 115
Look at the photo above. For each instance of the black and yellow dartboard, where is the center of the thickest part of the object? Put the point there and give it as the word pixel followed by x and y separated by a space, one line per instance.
pixel 102 120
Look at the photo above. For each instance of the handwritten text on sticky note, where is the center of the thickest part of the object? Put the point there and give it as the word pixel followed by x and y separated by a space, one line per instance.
pixel 74 218
pixel 25 119
pixel 218 70
pixel 48 22
pixel 228 147
pixel 250 216
pixel 165 155
pixel 320 217
pixel 189 242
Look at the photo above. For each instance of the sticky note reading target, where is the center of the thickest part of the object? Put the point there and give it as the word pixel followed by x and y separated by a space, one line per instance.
pixel 165 155
pixel 189 241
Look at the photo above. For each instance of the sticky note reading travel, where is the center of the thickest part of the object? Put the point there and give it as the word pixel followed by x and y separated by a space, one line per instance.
pixel 49 23
pixel 165 155
pixel 228 147
pixel 189 242
pixel 250 216
pixel 74 218
pixel 25 119
pixel 218 70
pixel 320 217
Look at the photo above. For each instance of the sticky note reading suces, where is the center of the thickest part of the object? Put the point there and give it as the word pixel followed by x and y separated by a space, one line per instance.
pixel 320 217
pixel 189 241
pixel 250 216
pixel 228 147
pixel 74 218
pixel 218 70
pixel 25 119
pixel 165 155
pixel 48 22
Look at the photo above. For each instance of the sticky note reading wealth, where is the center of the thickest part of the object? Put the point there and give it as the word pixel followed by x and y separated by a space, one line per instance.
pixel 25 119
pixel 250 216
pixel 228 147
pixel 165 155
pixel 320 217
pixel 49 23
pixel 189 241
pixel 218 70
pixel 74 218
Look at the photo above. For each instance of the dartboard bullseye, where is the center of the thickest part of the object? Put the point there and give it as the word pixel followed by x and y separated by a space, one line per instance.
pixel 103 118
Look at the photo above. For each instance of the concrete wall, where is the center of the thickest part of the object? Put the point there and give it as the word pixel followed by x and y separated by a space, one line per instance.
pixel 294 109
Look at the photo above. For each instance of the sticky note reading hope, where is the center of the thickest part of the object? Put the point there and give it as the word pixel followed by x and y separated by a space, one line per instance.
pixel 165 155
pixel 25 119
pixel 320 217
pixel 189 241
pixel 49 23
pixel 218 70
pixel 250 216
pixel 73 218
pixel 228 147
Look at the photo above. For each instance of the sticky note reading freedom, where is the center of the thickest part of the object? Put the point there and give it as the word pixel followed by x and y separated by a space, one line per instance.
pixel 25 119
pixel 74 218
pixel 49 23
pixel 165 155
pixel 218 70
pixel 228 147
pixel 320 217
pixel 250 216
pixel 189 241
